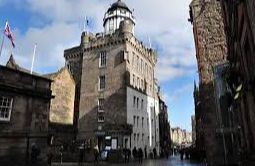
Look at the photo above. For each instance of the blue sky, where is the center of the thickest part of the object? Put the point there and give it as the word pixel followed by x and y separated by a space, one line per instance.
pixel 56 25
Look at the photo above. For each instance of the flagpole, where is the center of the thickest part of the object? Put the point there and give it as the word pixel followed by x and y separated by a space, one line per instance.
pixel 33 59
pixel 2 45
pixel 3 38
pixel 84 24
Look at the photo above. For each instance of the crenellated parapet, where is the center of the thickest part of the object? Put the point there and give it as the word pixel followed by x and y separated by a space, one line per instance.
pixel 72 53
pixel 103 41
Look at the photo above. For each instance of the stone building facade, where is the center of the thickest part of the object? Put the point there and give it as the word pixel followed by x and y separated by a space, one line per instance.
pixel 193 124
pixel 164 127
pixel 117 91
pixel 24 112
pixel 239 20
pixel 180 137
pixel 211 50
pixel 63 90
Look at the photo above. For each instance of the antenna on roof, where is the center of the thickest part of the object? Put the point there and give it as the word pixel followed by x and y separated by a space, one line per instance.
pixel 33 59
pixel 85 24
pixel 149 42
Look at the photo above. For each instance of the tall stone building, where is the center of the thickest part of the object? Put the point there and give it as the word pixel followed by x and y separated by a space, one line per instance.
pixel 193 124
pixel 164 127
pixel 180 137
pixel 239 18
pixel 211 50
pixel 117 93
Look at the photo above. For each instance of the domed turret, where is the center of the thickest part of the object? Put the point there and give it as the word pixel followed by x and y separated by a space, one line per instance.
pixel 115 14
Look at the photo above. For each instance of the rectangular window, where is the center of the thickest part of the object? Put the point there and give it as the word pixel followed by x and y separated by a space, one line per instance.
pixel 133 59
pixel 142 121
pixel 101 82
pixel 134 101
pixel 5 108
pixel 134 120
pixel 138 82
pixel 137 63
pixel 134 137
pixel 137 121
pixel 137 102
pixel 141 66
pixel 137 139
pixel 100 116
pixel 142 104
pixel 102 59
pixel 100 105
pixel 133 80
pixel 122 11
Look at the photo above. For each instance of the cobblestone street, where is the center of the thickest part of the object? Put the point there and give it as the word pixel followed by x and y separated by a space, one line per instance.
pixel 172 161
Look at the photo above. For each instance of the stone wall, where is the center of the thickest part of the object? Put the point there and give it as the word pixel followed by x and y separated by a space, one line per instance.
pixel 114 93
pixel 28 124
pixel 63 90
pixel 210 42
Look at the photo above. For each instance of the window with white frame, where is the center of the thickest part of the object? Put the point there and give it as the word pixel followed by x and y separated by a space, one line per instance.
pixel 102 59
pixel 101 82
pixel 5 108
pixel 100 116
pixel 101 105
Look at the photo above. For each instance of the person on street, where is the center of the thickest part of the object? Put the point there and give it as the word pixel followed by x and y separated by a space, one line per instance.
pixel 140 155
pixel 81 153
pixel 145 152
pixel 96 154
pixel 134 153
pixel 154 153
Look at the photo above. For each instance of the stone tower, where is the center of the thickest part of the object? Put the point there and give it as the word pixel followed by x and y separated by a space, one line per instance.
pixel 115 14
pixel 117 94
pixel 210 41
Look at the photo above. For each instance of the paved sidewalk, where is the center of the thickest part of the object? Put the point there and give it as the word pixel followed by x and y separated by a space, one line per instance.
pixel 172 161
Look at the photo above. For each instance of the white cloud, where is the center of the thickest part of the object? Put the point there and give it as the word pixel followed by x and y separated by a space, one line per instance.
pixel 164 21
pixel 178 93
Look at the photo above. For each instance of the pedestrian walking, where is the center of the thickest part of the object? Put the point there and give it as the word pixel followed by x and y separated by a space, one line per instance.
pixel 49 155
pixel 125 152
pixel 134 153
pixel 154 153
pixel 181 154
pixel 96 154
pixel 129 154
pixel 145 152
pixel 140 155
pixel 81 153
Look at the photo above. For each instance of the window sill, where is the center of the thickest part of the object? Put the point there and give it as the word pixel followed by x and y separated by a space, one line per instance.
pixel 5 120
pixel 101 90
pixel 102 67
